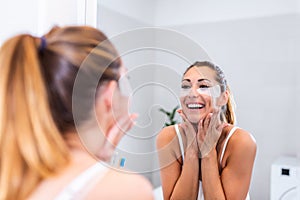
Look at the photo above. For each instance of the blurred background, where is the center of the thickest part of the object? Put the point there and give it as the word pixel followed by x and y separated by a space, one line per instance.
pixel 255 42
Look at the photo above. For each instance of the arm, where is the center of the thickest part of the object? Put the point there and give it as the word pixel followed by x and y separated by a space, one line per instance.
pixel 178 182
pixel 234 181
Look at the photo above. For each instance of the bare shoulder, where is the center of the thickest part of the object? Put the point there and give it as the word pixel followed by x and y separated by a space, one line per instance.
pixel 123 185
pixel 165 136
pixel 243 137
pixel 242 141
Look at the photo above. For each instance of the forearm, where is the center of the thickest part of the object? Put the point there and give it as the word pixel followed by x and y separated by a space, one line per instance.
pixel 187 185
pixel 211 181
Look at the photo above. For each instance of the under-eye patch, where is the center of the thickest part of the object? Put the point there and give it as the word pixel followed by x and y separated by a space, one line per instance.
pixel 185 92
pixel 125 86
pixel 214 91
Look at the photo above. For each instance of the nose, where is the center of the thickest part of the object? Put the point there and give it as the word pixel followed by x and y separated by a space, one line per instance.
pixel 193 92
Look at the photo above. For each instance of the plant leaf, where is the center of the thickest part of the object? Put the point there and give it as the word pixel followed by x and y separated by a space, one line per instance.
pixel 174 112
pixel 163 111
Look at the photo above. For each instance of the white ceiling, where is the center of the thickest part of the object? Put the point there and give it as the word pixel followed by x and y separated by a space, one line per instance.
pixel 176 12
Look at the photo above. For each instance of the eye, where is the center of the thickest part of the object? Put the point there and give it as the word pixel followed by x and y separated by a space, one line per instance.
pixel 204 86
pixel 185 86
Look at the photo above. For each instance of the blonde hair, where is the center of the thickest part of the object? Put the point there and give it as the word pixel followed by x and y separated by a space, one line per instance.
pixel 36 83
pixel 228 111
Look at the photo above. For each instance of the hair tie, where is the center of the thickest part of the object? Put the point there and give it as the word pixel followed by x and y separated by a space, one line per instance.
pixel 43 44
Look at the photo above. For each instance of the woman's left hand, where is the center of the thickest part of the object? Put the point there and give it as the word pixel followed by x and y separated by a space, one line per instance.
pixel 209 132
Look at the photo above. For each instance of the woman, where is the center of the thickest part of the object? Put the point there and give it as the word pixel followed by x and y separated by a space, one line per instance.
pixel 206 156
pixel 51 88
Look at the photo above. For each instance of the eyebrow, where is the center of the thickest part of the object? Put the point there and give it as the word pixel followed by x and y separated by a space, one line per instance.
pixel 199 80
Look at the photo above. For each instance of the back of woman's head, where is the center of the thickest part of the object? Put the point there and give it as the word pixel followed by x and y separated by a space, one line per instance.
pixel 228 109
pixel 37 77
pixel 65 51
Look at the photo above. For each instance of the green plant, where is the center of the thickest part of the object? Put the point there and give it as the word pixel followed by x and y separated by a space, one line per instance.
pixel 170 115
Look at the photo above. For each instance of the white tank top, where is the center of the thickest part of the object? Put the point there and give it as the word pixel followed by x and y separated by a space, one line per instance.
pixel 200 192
pixel 81 185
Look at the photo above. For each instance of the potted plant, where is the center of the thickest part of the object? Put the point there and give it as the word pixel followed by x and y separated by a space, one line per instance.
pixel 170 115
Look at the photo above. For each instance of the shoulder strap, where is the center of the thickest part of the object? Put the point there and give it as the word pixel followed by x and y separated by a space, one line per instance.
pixel 226 141
pixel 79 183
pixel 180 141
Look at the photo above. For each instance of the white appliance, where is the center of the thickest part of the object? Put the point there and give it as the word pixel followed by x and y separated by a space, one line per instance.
pixel 285 179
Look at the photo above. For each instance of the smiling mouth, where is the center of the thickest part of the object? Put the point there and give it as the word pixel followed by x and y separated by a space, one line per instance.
pixel 195 106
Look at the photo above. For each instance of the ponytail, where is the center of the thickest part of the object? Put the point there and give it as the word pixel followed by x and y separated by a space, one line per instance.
pixel 37 77
pixel 230 107
pixel 31 146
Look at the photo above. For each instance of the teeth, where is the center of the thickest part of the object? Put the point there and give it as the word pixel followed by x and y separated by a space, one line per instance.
pixel 194 105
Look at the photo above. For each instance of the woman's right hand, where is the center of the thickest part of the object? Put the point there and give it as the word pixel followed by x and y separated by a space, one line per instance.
pixel 190 133
pixel 208 132
pixel 114 136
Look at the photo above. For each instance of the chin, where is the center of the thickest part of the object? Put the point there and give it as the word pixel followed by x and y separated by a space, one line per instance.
pixel 194 119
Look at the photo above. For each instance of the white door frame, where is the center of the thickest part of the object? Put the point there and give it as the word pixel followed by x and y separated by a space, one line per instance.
pixel 87 12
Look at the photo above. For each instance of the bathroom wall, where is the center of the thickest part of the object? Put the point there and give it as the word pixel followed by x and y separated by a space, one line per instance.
pixel 259 57
pixel 38 16
pixel 18 17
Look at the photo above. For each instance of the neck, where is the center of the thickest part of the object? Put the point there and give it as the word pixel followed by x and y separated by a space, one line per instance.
pixel 195 125
pixel 73 141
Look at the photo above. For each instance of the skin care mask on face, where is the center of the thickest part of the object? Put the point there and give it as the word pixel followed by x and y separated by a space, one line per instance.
pixel 125 86
pixel 214 91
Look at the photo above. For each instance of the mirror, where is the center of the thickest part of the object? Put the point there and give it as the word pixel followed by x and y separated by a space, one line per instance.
pixel 256 43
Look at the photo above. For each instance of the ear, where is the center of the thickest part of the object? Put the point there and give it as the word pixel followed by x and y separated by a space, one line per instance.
pixel 223 99
pixel 106 93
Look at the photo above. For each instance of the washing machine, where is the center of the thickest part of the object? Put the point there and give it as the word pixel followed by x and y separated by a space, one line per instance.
pixel 285 179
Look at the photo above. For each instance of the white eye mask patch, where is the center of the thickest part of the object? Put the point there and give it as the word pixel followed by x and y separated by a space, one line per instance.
pixel 125 86
pixel 214 91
